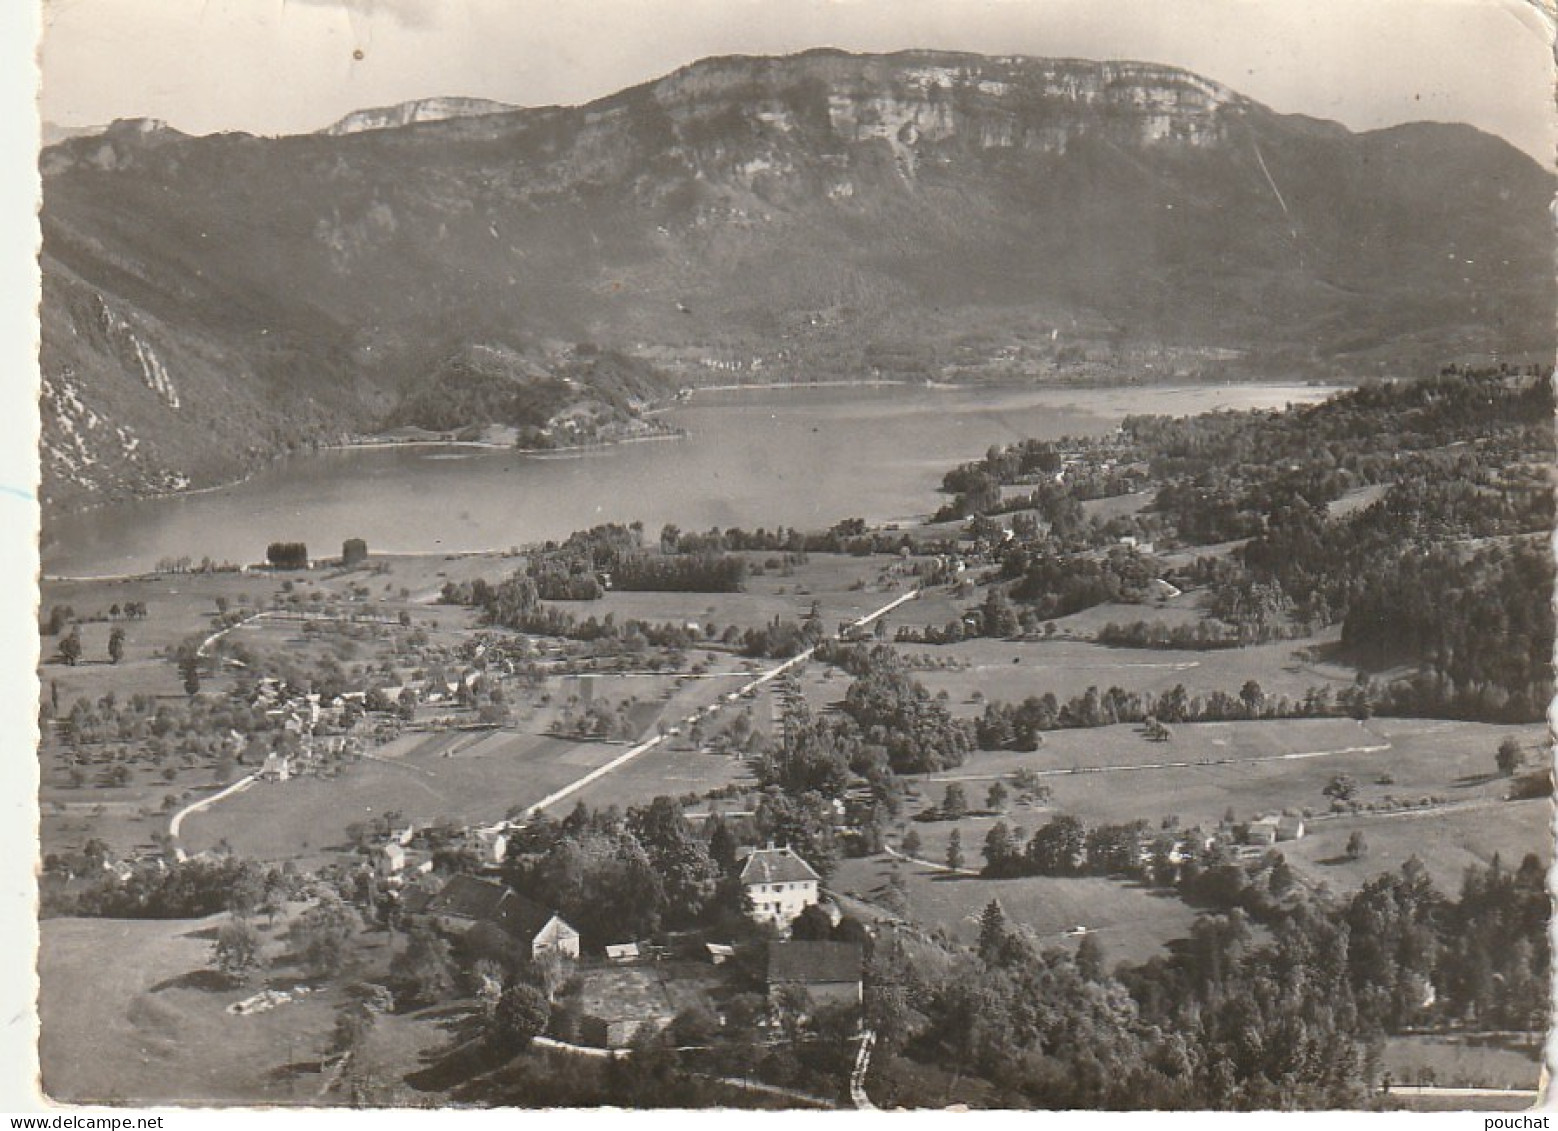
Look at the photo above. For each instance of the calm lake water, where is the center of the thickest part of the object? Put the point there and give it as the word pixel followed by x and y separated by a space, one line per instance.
pixel 805 457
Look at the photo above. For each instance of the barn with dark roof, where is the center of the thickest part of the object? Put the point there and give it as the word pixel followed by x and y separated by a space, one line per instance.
pixel 829 972
pixel 466 902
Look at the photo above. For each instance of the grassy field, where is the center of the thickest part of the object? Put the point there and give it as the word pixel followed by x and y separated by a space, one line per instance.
pixel 661 771
pixel 1012 671
pixel 1462 1061
pixel 1278 765
pixel 150 1023
pixel 1132 923
pixel 1117 506
pixel 305 819
pixel 1447 842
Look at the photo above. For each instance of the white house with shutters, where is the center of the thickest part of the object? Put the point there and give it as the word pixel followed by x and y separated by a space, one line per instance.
pixel 779 884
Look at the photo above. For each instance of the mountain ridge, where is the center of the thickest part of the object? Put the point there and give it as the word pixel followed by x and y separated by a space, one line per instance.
pixel 924 215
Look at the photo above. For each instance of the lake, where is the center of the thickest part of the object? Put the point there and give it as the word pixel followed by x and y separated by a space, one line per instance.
pixel 790 457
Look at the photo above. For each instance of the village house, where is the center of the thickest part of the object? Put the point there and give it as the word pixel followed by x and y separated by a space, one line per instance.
pixel 1273 828
pixel 1262 832
pixel 390 859
pixel 828 972
pixel 780 885
pixel 276 767
pixel 489 844
pixel 466 902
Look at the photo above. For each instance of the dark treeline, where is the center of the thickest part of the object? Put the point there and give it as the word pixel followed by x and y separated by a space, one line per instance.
pixel 188 889
pixel 1203 636
pixel 1019 726
pixel 590 561
pixel 682 573
pixel 287 555
pixel 849 536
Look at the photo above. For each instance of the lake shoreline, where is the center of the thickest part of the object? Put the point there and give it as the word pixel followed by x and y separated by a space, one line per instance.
pixel 803 457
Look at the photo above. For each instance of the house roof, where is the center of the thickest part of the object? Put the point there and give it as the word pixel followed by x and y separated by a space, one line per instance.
pixel 467 897
pixel 813 963
pixel 776 866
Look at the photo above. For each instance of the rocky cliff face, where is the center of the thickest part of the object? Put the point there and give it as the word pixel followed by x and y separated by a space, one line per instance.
pixel 412 113
pixel 923 216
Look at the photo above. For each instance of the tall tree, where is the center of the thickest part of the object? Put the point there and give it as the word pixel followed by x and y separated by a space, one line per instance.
pixel 322 935
pixel 1509 756
pixel 425 965
pixel 237 950
pixel 521 1015
pixel 992 931
pixel 70 646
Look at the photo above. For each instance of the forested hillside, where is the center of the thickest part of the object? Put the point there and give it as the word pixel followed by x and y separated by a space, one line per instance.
pixel 1414 514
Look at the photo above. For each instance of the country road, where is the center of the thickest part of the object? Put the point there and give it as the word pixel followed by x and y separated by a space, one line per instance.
pixel 704 712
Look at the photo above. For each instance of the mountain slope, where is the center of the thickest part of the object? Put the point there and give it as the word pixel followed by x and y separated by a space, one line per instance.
pixel 919 215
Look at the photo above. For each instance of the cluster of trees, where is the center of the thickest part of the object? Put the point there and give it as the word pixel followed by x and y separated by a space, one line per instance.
pixel 1202 636
pixel 682 573
pixel 1064 846
pixel 1242 1027
pixel 1293 1018
pixel 891 714
pixel 287 555
pixel 187 889
pixel 572 570
pixel 618 877
pixel 1056 585
pixel 848 536
pixel 893 710
pixel 1019 726
pixel 1480 621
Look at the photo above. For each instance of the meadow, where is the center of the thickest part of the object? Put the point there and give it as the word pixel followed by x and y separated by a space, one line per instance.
pixel 1132 923
pixel 1107 775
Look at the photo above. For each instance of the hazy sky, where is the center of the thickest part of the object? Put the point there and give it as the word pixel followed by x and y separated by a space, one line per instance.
pixel 284 66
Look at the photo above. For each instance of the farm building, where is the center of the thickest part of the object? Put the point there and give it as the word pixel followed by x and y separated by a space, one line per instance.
pixel 1262 832
pixel 780 885
pixel 615 1011
pixel 467 902
pixel 829 972
pixel 616 1003
pixel 1271 829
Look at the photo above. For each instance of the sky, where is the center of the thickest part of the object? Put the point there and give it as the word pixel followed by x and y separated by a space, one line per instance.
pixel 288 66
